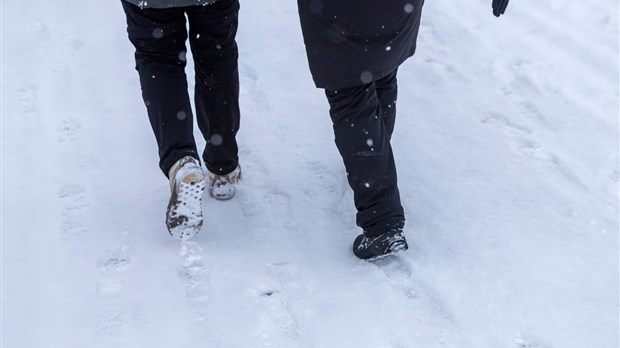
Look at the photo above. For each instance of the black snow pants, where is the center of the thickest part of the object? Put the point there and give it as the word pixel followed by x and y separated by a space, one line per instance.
pixel 159 37
pixel 363 118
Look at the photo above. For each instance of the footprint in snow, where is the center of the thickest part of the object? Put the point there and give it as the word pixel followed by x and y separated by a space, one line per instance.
pixel 112 265
pixel 399 272
pixel 28 106
pixel 114 314
pixel 520 342
pixel 505 123
pixel 195 277
pixel 325 185
pixel 75 207
pixel 277 321
pixel 109 287
pixel 68 131
pixel 115 260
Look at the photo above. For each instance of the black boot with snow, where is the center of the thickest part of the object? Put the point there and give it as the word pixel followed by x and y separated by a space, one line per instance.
pixel 385 244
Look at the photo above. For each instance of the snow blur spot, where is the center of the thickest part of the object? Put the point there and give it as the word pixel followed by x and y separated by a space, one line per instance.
pixel 153 76
pixel 370 142
pixel 183 56
pixel 389 48
pixel 218 46
pixel 366 77
pixel 158 33
pixel 181 115
pixel 367 184
pixel 316 6
pixel 198 36
pixel 147 103
pixel 216 139
pixel 409 8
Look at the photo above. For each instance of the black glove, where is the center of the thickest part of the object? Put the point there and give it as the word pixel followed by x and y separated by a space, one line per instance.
pixel 499 7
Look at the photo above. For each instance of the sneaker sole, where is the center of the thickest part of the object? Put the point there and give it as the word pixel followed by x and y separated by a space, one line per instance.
pixel 184 215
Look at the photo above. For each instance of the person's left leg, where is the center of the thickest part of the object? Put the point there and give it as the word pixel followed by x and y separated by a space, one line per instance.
pixel 212 38
pixel 363 142
pixel 363 131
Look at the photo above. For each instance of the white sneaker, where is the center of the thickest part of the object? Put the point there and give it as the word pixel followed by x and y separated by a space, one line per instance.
pixel 187 184
pixel 222 187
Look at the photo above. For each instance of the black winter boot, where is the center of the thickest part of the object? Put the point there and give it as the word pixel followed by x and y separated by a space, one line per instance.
pixel 373 248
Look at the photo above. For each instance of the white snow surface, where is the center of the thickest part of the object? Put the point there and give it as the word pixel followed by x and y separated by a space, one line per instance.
pixel 507 152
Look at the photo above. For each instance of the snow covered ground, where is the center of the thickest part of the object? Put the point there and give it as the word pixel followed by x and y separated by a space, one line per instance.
pixel 507 150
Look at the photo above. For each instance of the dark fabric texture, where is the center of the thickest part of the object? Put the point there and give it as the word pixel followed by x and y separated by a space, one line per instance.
pixel 159 37
pixel 168 3
pixel 363 119
pixel 499 7
pixel 350 43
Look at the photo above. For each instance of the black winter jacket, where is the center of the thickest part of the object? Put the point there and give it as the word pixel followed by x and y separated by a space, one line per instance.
pixel 354 42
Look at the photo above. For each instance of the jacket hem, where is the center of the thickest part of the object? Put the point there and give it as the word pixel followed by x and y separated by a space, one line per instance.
pixel 352 82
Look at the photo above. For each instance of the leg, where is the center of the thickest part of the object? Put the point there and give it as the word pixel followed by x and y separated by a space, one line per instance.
pixel 363 141
pixel 159 38
pixel 212 38
pixel 387 90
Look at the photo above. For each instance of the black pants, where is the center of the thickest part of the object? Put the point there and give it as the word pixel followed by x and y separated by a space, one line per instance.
pixel 363 119
pixel 159 37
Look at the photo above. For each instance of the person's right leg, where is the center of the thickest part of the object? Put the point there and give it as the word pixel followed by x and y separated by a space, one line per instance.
pixel 159 38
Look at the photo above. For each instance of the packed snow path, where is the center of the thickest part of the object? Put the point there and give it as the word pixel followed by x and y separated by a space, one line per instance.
pixel 507 151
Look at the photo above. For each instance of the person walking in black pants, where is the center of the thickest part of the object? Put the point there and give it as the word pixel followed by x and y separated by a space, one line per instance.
pixel 157 29
pixel 354 49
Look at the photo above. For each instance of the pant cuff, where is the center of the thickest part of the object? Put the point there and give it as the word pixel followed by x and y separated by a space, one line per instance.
pixel 171 159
